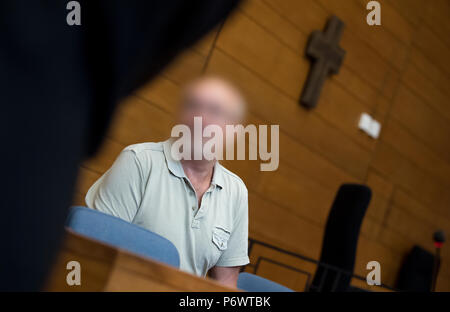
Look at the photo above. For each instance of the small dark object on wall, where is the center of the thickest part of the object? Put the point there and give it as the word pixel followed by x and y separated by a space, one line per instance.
pixel 326 55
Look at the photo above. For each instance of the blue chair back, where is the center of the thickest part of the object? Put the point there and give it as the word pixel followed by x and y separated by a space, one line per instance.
pixel 122 234
pixel 254 283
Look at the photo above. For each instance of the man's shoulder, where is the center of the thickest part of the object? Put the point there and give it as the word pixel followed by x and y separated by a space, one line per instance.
pixel 147 147
pixel 147 154
pixel 233 179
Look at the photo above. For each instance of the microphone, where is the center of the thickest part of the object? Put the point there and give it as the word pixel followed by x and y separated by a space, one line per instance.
pixel 439 239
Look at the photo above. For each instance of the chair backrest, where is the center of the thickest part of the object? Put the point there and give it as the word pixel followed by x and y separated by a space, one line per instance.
pixel 122 234
pixel 341 238
pixel 416 273
pixel 254 283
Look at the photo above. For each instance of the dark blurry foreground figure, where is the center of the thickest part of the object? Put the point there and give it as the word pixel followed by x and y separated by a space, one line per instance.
pixel 58 88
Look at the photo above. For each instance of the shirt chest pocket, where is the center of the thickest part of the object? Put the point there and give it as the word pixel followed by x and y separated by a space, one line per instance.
pixel 220 237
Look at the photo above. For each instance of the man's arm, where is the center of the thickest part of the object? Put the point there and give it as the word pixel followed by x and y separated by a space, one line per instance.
pixel 226 270
pixel 119 191
pixel 227 276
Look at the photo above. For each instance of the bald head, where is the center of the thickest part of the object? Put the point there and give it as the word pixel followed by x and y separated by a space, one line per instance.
pixel 214 99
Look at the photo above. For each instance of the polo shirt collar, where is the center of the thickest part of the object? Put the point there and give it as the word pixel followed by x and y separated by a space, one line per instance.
pixel 176 168
pixel 217 178
pixel 173 165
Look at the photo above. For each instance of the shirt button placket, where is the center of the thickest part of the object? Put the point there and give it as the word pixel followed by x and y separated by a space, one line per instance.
pixel 195 223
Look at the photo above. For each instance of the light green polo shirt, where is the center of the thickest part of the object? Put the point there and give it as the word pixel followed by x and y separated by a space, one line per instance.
pixel 147 187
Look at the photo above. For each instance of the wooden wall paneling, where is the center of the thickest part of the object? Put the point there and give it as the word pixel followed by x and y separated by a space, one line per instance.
pixel 105 157
pixel 422 121
pixel 291 36
pixel 302 196
pixel 306 15
pixel 369 250
pixel 205 44
pixel 422 213
pixel 163 93
pixel 185 67
pixel 382 110
pixel 437 19
pixel 364 61
pixel 426 89
pixel 403 200
pixel 269 222
pixel 313 165
pixel 139 121
pixel 357 87
pixel 390 84
pixel 361 58
pixel 382 190
pixel 275 108
pixel 249 43
pixel 432 71
pixel 403 172
pixel 412 10
pixel 287 187
pixel 399 138
pixel 334 100
pixel 84 181
pixel 398 244
pixel 443 283
pixel 248 171
pixel 343 111
pixel 275 24
pixel 260 35
pixel 370 228
pixel 380 39
pixel 432 46
pixel 414 229
pixel 392 20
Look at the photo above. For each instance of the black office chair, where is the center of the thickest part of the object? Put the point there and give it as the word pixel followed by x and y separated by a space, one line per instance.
pixel 416 273
pixel 337 258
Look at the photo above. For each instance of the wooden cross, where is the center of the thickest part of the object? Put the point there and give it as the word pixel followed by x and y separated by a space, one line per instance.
pixel 327 56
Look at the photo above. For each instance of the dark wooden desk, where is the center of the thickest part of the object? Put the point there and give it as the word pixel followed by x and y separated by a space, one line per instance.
pixel 106 268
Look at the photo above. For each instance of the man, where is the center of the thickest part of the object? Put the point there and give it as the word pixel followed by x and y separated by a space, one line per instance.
pixel 200 206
